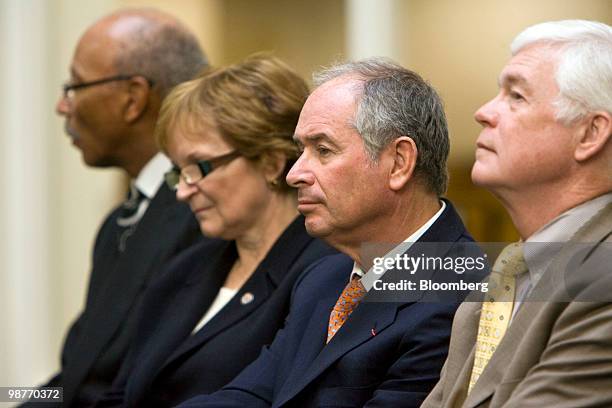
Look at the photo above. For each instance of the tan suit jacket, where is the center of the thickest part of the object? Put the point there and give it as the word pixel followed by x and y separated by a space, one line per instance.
pixel 554 354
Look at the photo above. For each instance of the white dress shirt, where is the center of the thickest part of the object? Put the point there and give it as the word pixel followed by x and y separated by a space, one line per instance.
pixel 222 299
pixel 368 279
pixel 151 176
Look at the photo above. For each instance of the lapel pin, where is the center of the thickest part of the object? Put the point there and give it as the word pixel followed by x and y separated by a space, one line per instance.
pixel 373 332
pixel 247 298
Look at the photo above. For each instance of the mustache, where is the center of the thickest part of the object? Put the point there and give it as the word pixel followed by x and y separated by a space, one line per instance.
pixel 71 132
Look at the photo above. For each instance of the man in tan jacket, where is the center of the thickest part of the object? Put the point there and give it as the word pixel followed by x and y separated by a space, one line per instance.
pixel 545 151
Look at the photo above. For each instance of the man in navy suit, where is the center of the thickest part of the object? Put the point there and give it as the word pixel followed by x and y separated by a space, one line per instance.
pixel 374 146
pixel 123 66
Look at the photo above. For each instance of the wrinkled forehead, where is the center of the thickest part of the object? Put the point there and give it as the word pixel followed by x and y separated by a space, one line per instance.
pixel 533 61
pixel 533 70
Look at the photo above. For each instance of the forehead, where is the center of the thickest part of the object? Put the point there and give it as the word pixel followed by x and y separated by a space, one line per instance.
pixel 329 110
pixel 189 134
pixel 98 48
pixel 533 66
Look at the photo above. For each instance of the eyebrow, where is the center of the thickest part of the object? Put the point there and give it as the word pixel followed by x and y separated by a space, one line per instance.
pixel 74 74
pixel 195 157
pixel 512 79
pixel 300 140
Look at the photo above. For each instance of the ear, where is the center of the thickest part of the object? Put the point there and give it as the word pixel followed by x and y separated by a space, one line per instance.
pixel 273 164
pixel 138 98
pixel 404 155
pixel 594 136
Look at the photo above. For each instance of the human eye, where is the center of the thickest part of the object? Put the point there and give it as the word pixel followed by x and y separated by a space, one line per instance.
pixel 516 96
pixel 323 150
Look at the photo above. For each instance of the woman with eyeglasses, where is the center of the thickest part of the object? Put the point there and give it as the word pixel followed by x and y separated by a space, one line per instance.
pixel 229 134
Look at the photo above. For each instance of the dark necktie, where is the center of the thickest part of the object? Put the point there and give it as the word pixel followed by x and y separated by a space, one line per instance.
pixel 132 211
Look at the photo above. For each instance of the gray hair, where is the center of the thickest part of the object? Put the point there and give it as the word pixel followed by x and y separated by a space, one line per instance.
pixel 393 101
pixel 164 52
pixel 584 71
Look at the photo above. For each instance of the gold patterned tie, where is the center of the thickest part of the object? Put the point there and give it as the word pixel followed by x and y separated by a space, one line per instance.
pixel 347 302
pixel 497 307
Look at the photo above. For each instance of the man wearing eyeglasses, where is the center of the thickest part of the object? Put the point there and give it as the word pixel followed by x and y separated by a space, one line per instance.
pixel 122 68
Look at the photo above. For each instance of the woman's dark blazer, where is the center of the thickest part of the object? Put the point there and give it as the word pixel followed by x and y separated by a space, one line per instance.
pixel 166 363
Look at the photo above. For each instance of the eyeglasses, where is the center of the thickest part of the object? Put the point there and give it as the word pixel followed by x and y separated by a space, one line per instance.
pixel 193 173
pixel 70 88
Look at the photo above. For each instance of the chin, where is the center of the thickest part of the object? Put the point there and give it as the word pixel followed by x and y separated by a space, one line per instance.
pixel 96 161
pixel 88 159
pixel 316 228
pixel 481 176
pixel 209 230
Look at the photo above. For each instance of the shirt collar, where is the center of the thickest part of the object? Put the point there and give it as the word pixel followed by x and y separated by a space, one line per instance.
pixel 540 248
pixel 151 176
pixel 367 279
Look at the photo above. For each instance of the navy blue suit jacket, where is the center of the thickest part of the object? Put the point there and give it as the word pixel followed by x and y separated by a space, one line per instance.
pixel 166 363
pixel 386 354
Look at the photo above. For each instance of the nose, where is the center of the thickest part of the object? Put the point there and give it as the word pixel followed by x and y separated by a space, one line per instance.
pixel 487 114
pixel 299 173
pixel 184 191
pixel 62 107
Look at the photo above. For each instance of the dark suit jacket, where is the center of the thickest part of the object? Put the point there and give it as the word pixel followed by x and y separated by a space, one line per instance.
pixel 557 351
pixel 166 364
pixel 386 354
pixel 98 340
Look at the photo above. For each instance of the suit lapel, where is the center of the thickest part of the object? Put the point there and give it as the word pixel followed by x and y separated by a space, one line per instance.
pixel 232 313
pixel 312 342
pixel 315 357
pixel 457 371
pixel 268 275
pixel 170 321
pixel 368 315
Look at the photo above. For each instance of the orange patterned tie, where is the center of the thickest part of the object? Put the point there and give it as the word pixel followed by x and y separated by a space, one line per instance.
pixel 347 302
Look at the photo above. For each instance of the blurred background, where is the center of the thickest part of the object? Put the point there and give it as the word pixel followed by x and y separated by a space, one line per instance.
pixel 52 204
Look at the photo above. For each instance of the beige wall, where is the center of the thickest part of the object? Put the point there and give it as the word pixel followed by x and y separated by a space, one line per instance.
pixel 461 46
pixel 51 204
pixel 307 34
pixel 203 17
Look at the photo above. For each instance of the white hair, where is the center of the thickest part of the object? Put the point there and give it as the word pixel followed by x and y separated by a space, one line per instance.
pixel 584 70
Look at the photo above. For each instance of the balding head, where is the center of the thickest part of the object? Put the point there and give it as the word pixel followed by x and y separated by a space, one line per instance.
pixel 147 42
pixel 123 66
